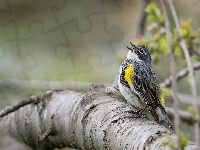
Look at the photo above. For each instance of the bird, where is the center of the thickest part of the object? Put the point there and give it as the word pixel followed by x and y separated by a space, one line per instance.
pixel 138 83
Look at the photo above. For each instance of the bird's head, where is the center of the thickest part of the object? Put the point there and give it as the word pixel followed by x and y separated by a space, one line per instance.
pixel 139 52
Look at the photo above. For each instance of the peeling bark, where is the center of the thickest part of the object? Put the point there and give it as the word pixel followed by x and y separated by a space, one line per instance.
pixel 91 120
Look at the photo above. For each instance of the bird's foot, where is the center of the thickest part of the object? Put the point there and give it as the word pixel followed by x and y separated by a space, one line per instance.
pixel 137 113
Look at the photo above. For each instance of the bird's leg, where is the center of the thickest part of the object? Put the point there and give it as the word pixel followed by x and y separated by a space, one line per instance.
pixel 138 113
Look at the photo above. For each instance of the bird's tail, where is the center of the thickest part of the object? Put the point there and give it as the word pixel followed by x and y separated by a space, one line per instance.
pixel 163 116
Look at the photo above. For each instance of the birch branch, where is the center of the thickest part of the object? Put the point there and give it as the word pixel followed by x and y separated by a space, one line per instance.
pixel 91 120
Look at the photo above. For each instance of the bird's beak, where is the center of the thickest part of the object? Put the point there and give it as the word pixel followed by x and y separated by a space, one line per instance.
pixel 129 48
pixel 133 47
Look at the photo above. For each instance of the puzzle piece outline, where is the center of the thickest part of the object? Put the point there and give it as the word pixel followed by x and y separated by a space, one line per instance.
pixel 17 39
pixel 107 30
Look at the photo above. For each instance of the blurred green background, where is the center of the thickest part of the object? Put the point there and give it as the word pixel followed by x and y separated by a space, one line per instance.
pixel 72 41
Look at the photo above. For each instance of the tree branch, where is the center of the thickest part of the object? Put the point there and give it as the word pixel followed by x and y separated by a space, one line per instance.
pixel 91 120
pixel 190 69
pixel 22 103
pixel 187 99
pixel 77 85
pixel 46 85
pixel 181 74
pixel 173 75
pixel 184 115
pixel 141 19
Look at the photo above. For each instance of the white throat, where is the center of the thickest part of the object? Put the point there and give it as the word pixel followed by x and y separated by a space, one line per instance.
pixel 133 56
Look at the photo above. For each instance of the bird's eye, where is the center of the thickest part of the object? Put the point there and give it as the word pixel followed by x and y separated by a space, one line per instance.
pixel 141 51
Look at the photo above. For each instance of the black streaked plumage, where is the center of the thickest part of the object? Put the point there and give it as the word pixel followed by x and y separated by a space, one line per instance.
pixel 144 88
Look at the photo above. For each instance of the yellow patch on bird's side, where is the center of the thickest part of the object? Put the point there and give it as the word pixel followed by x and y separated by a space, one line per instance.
pixel 129 71
pixel 162 100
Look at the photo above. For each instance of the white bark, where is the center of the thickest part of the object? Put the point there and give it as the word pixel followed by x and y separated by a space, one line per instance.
pixel 91 120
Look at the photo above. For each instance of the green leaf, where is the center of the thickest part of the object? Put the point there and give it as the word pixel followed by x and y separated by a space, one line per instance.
pixel 166 91
pixel 163 46
pixel 186 27
pixel 154 13
pixel 177 49
pixel 169 142
pixel 193 113
pixel 173 144
pixel 184 139
pixel 188 79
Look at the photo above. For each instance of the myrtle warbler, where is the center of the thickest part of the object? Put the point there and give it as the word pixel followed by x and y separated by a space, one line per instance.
pixel 138 84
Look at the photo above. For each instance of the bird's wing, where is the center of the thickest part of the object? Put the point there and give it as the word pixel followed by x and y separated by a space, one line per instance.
pixel 144 78
pixel 144 81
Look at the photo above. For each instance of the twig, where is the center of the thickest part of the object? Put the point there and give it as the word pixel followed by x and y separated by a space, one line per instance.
pixel 173 74
pixel 50 131
pixel 142 19
pixel 33 99
pixel 187 99
pixel 184 115
pixel 181 74
pixel 190 68
pixel 47 85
